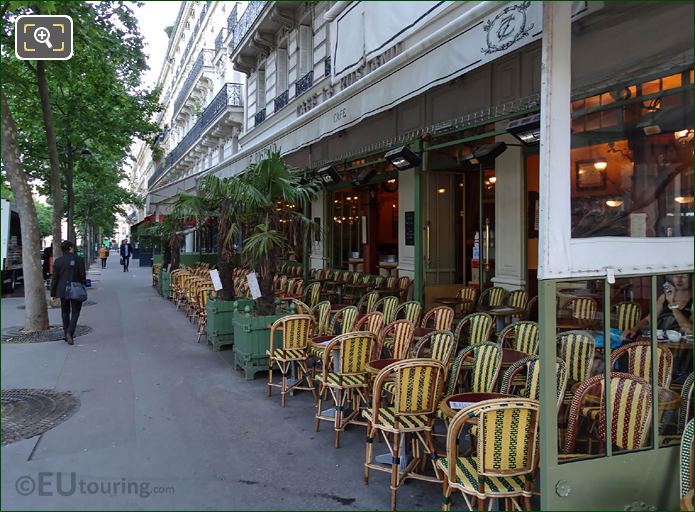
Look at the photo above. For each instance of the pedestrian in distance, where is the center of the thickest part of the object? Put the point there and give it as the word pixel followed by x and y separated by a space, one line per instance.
pixel 126 253
pixel 103 254
pixel 69 268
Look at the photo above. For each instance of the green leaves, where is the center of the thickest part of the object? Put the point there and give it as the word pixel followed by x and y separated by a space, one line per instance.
pixel 262 243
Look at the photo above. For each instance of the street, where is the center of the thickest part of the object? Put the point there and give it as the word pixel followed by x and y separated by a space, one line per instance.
pixel 174 419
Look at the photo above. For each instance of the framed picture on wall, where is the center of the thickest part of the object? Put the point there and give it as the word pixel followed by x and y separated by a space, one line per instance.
pixel 533 214
pixel 590 175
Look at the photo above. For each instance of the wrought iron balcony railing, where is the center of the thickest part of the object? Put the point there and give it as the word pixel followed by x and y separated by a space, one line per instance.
pixel 259 117
pixel 232 18
pixel 253 9
pixel 281 100
pixel 304 84
pixel 204 59
pixel 155 175
pixel 229 96
pixel 219 40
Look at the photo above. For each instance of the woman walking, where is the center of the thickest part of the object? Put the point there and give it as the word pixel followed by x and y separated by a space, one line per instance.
pixel 68 268
pixel 103 254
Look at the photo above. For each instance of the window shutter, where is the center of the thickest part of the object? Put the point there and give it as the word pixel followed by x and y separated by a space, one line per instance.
pixel 306 50
pixel 281 71
pixel 260 89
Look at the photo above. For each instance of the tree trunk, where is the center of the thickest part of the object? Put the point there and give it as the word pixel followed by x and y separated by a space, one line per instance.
pixel 225 258
pixel 49 127
pixel 266 304
pixel 72 236
pixel 175 252
pixel 34 293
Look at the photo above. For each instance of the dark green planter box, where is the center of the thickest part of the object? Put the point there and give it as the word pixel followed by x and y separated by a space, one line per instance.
pixel 164 283
pixel 220 327
pixel 190 259
pixel 251 340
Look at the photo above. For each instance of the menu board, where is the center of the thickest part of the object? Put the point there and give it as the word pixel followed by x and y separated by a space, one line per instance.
pixel 409 228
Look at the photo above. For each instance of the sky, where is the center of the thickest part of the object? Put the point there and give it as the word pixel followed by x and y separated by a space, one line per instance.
pixel 153 17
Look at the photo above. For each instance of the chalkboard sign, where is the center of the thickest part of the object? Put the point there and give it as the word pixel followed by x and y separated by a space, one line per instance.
pixel 409 228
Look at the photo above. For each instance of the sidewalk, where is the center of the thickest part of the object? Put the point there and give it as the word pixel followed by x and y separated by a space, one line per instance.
pixel 175 419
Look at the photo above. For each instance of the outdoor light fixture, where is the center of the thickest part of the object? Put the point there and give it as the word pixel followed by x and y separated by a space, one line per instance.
pixel 403 158
pixel 484 155
pixel 600 165
pixel 364 177
pixel 526 129
pixel 329 175
pixel 614 203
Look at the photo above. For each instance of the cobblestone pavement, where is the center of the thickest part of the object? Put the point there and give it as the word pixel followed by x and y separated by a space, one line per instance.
pixel 165 423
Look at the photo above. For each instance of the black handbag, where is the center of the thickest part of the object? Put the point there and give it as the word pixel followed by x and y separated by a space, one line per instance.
pixel 73 290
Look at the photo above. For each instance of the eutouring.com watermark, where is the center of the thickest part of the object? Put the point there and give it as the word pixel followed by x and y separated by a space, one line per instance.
pixel 51 483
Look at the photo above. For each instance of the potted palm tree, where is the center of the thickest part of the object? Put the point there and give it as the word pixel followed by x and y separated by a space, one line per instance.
pixel 218 198
pixel 260 191
pixel 167 234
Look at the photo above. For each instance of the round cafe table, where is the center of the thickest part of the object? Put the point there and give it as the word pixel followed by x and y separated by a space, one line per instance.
pixel 511 356
pixel 500 313
pixel 469 398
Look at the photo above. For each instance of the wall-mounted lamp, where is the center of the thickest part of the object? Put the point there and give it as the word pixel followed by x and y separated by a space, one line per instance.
pixel 329 175
pixel 614 203
pixel 364 177
pixel 403 158
pixel 600 165
pixel 484 155
pixel 526 129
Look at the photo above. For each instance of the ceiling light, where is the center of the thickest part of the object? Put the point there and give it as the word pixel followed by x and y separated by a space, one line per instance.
pixel 614 203
pixel 403 158
pixel 329 175
pixel 600 165
pixel 684 199
pixel 493 179
pixel 441 190
pixel 391 182
pixel 683 136
pixel 526 129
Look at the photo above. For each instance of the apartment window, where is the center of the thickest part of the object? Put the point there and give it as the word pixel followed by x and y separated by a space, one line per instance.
pixel 306 49
pixel 281 69
pixel 260 89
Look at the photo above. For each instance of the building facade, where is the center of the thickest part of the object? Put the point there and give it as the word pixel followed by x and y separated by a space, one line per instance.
pixel 553 152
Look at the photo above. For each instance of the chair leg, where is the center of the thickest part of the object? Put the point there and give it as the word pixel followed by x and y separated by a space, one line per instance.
pixel 481 501
pixel 322 391
pixel 270 376
pixel 395 468
pixel 283 370
pixel 338 416
pixel 368 452
pixel 446 495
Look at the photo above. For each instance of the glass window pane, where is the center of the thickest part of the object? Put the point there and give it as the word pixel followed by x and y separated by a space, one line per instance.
pixel 579 321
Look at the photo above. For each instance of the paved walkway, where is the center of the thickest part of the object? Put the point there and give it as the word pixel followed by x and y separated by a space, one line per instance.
pixel 174 420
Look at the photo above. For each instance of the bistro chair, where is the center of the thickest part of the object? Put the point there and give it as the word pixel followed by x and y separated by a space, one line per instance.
pixel 372 322
pixel 299 307
pixel 344 317
pixel 576 349
pixel 684 412
pixel 631 408
pixel 322 315
pixel 492 297
pixel 437 345
pixel 473 329
pixel 582 308
pixel 441 318
pixel 397 337
pixel 522 336
pixel 506 453
pixel 345 377
pixel 367 302
pixel 530 366
pixel 686 463
pixel 404 286
pixel 295 341
pixel 484 368
pixel 387 305
pixel 203 295
pixel 627 315
pixel 329 290
pixel 410 310
pixel 312 294
pixel 355 290
pixel 532 309
pixel 639 361
pixel 418 385
pixel 469 294
pixel 518 299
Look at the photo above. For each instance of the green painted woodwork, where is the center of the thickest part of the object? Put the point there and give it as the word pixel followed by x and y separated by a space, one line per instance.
pixel 419 283
pixel 251 340
pixel 164 284
pixel 158 258
pixel 190 259
pixel 220 321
